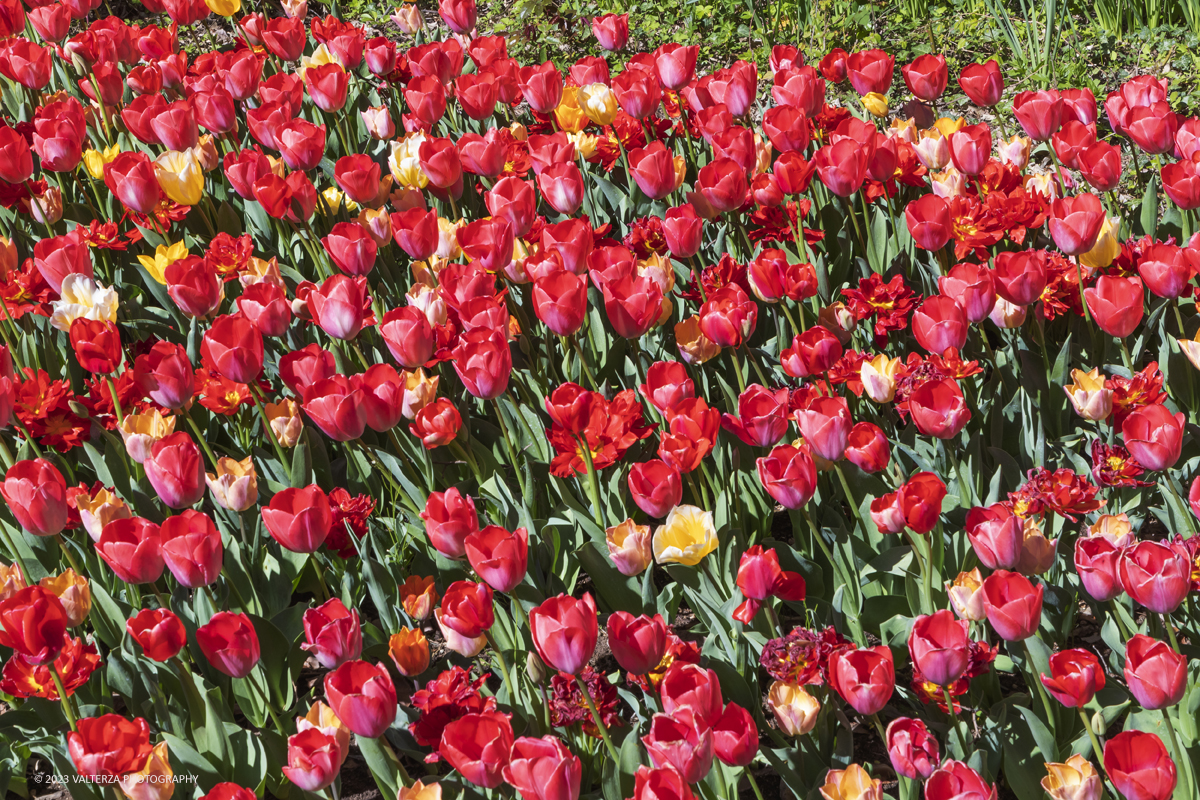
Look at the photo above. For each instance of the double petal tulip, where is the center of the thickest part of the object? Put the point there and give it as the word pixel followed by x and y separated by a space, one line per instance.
pixel 912 749
pixel 564 630
pixel 33 624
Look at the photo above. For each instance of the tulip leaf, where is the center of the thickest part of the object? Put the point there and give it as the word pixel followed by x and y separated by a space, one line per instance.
pixel 1149 211
pixel 186 761
pixel 381 764
pixel 614 591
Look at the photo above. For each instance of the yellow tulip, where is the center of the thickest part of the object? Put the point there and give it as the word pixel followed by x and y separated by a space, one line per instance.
pixel 879 378
pixel 73 592
pixel 421 791
pixel 224 8
pixel 180 176
pixel 598 102
pixel 405 161
pixel 154 781
pixel 851 783
pixel 876 104
pixel 285 422
pixel 142 431
pixel 694 346
pixel 94 160
pixel 629 547
pixel 966 596
pixel 1088 395
pixel 686 537
pixel 1107 247
pixel 570 117
pixel 235 484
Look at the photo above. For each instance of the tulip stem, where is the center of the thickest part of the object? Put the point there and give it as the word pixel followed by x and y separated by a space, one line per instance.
pixel 265 696
pixel 1180 754
pixel 593 485
pixel 12 545
pixel 200 437
pixel 1125 635
pixel 1033 672
pixel 754 784
pixel 584 364
pixel 587 696
pixel 772 620
pixel 1125 355
pixel 69 712
pixel 66 552
pixel 262 412
pixel 737 369
pixel 879 727
pixel 924 570
pixel 1166 620
pixel 849 494
pixel 1096 748
pixel 513 697
pixel 962 741
pixel 37 451
pixel 512 453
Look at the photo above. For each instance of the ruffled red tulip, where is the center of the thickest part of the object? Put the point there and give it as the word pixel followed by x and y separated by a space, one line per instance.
pixel 230 643
pixel 110 746
pixel 34 625
pixel 159 632
pixel 436 424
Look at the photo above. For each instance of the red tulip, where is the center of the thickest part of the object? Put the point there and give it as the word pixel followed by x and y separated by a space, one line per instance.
pixel 1096 563
pixel 1155 674
pixel 638 644
pixel 477 94
pixel 1100 165
pixel 562 187
pixel 1073 138
pixel 191 548
pixel 867 447
pixel 926 76
pixel 416 231
pixel 34 625
pixel 682 741
pixel 351 248
pixel 683 230
pixel 1020 276
pixel 1154 436
pixel 266 307
pixel 1166 269
pixel 982 83
pixel 1075 223
pixel 1181 182
pixel 60 256
pixel 638 92
pixel 762 416
pixel 1116 304
pixel 954 780
pixel 560 302
pixel 564 631
pixel 1152 127
pixel 542 87
pixel 735 736
pixel 939 324
pixel 301 144
pixel 363 697
pixel 1155 575
pixel 314 759
pixel 971 148
pixel 1013 605
pixel 299 519
pixel 788 475
pixel 913 751
pixel 760 577
pixel 653 170
pixel 842 166
pixel 479 746
pixel 825 423
pixel 787 128
pixel 160 633
pixel 230 643
pixel 131 178
pixel 383 396
pixel 1139 766
pixel 997 536
pixel 467 609
pixel 36 495
pixel 973 289
pixel 543 769
pixel 939 647
pixel 332 634
pixel 408 336
pixel 870 71
pixel 939 409
pixel 920 501
pixel 500 558
pixel 16 159
pixel 813 352
pixel 449 518
pixel 656 487
pixel 436 424
pixel 729 316
pixel 1039 113
pixel 721 185
pixel 1075 677
pixel 109 746
pixel 483 363
pixel 175 469
pixel 633 304
pixel 235 347
pixel 337 305
pixel 660 784
pixel 865 678
pixel 691 687
pixel 611 30
pixel 488 243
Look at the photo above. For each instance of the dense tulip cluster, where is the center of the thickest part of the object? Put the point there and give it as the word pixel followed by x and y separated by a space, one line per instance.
pixel 351 389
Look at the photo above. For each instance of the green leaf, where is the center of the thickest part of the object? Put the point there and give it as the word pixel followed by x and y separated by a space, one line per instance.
pixel 1149 215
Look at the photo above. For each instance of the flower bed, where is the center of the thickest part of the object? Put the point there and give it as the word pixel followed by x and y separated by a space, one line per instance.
pixel 400 410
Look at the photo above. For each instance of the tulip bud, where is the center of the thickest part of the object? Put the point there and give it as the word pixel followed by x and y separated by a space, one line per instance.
pixel 795 709
pixel 1098 724
pixel 535 669
pixel 876 104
